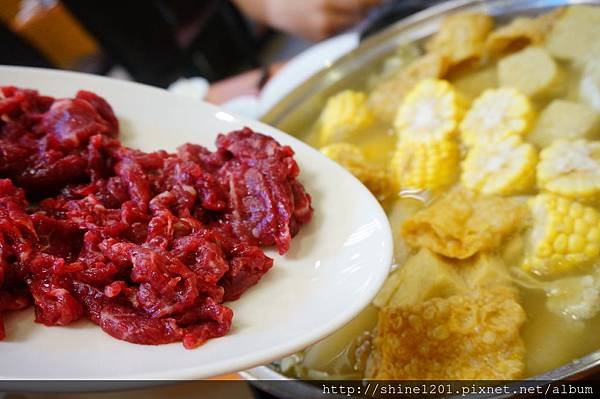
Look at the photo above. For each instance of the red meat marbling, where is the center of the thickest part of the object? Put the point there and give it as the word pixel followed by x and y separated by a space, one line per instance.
pixel 146 245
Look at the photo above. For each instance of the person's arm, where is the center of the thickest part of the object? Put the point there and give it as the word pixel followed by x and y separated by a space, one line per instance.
pixel 310 19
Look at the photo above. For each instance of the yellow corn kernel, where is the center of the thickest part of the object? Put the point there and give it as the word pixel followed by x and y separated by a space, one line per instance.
pixel 496 114
pixel 431 111
pixel 352 158
pixel 560 242
pixel 425 164
pixel 345 116
pixel 571 169
pixel 505 168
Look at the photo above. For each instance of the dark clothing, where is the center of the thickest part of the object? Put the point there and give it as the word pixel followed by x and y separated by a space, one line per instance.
pixel 158 41
pixel 16 51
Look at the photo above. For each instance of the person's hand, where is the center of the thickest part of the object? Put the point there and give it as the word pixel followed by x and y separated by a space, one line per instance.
pixel 309 19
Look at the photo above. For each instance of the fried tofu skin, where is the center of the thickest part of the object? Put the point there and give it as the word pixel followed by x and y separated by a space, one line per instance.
pixel 462 38
pixel 425 275
pixel 462 223
pixel 353 159
pixel 522 32
pixel 468 336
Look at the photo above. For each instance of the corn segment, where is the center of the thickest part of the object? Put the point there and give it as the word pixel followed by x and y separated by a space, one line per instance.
pixel 565 235
pixel 425 164
pixel 344 117
pixel 431 111
pixel 504 168
pixel 571 169
pixel 495 115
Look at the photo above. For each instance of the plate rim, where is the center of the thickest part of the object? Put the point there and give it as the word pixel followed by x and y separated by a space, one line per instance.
pixel 251 359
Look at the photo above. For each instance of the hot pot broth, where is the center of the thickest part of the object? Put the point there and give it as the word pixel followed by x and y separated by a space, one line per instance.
pixel 555 329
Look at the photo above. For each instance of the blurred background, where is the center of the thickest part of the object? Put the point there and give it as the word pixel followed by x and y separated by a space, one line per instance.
pixel 235 46
pixel 153 42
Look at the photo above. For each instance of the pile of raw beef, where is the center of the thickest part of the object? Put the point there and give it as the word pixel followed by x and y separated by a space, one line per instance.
pixel 146 245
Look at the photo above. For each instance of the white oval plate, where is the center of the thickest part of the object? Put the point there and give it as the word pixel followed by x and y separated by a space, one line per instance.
pixel 334 268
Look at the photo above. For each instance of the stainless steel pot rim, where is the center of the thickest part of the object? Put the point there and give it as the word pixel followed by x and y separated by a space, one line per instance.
pixel 416 26
pixel 578 368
